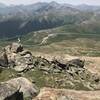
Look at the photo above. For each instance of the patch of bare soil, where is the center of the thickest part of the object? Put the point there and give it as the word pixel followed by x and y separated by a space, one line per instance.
pixel 64 94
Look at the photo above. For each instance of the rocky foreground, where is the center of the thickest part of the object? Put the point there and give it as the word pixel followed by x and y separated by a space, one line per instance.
pixel 17 89
pixel 27 74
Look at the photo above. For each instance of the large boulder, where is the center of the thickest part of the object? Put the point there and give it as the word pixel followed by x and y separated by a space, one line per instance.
pixel 9 92
pixel 14 48
pixel 76 63
pixel 28 89
pixel 18 58
pixel 23 61
pixel 71 66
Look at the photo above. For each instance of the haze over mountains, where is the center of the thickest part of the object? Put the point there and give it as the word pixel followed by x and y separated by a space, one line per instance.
pixel 22 19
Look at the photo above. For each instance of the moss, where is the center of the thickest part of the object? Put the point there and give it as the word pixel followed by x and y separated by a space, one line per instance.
pixel 36 76
pixel 7 74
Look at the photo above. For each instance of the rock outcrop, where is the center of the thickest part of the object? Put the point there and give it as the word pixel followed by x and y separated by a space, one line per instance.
pixel 9 92
pixel 3 59
pixel 72 75
pixel 76 63
pixel 14 48
pixel 56 66
pixel 74 71
pixel 19 85
pixel 14 56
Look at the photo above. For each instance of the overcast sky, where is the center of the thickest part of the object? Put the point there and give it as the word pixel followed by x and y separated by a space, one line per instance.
pixel 76 2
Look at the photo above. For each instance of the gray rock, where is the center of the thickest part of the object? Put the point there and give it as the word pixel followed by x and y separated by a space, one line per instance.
pixel 16 47
pixel 23 62
pixel 28 89
pixel 9 92
pixel 8 49
pixel 16 57
pixel 76 63
pixel 4 59
pixel 25 52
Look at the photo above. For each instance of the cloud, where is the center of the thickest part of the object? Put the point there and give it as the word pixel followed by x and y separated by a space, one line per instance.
pixel 17 2
pixel 76 2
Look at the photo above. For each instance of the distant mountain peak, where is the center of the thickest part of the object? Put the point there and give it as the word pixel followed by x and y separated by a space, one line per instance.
pixel 54 3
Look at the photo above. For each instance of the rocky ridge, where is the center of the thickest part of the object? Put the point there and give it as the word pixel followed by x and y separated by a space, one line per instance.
pixel 16 57
pixel 70 75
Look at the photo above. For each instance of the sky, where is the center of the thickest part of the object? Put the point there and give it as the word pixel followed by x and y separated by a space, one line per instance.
pixel 75 2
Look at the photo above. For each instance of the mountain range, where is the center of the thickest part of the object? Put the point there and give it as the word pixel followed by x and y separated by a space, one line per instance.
pixel 19 20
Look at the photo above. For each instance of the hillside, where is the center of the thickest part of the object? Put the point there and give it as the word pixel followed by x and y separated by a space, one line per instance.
pixel 20 20
pixel 49 51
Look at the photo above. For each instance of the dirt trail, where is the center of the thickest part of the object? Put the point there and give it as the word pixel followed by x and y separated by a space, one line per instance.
pixel 64 94
pixel 93 64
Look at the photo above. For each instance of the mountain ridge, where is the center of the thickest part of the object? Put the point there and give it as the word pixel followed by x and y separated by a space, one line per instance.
pixel 22 19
